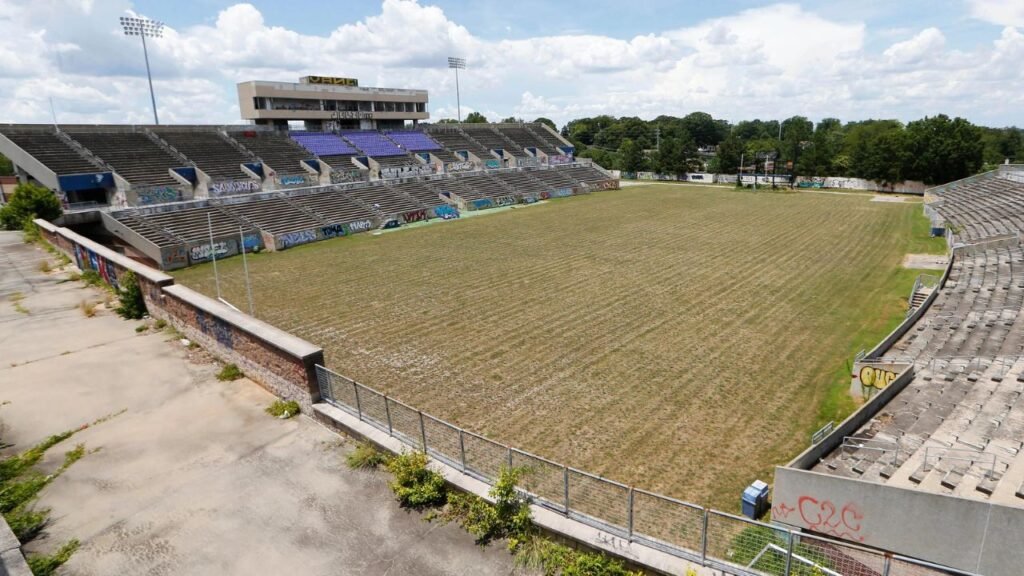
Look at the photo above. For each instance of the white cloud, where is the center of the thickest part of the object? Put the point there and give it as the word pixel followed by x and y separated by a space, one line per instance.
pixel 1001 12
pixel 772 62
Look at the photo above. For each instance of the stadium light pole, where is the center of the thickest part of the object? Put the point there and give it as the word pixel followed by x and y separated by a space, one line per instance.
pixel 144 27
pixel 457 64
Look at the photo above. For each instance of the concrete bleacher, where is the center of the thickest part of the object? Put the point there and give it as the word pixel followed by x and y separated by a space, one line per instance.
pixel 554 143
pixel 135 157
pixel 208 150
pixel 586 174
pixel 147 229
pixel 191 224
pixel 373 143
pixel 275 215
pixel 957 428
pixel 384 199
pixel 413 140
pixel 324 143
pixel 419 191
pixel 525 138
pixel 334 206
pixel 554 178
pixel 44 145
pixel 523 182
pixel 455 141
pixel 491 139
pixel 275 150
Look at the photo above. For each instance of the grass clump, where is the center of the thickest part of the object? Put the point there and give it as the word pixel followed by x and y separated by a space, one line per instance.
pixel 366 456
pixel 88 308
pixel 551 559
pixel 229 372
pixel 508 518
pixel 415 485
pixel 44 266
pixel 160 324
pixel 92 278
pixel 141 328
pixel 16 299
pixel 283 409
pixel 47 564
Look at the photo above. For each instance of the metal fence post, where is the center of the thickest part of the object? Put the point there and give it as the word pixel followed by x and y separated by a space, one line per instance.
pixel 629 511
pixel 462 449
pixel 565 484
pixel 704 539
pixel 887 565
pixel 387 411
pixel 789 553
pixel 509 457
pixel 359 406
pixel 423 432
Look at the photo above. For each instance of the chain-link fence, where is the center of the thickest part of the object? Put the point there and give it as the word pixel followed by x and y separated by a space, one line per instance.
pixel 723 541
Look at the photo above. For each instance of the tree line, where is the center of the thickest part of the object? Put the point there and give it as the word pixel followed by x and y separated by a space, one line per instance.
pixel 934 149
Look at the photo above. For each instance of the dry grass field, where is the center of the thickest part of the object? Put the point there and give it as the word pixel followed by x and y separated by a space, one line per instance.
pixel 681 339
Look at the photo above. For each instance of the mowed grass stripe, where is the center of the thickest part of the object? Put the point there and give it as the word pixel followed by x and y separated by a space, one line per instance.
pixel 679 339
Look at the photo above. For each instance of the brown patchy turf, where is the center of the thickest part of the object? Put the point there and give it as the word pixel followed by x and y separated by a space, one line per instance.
pixel 680 339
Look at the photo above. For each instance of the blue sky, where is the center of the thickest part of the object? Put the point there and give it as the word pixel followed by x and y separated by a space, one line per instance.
pixel 739 59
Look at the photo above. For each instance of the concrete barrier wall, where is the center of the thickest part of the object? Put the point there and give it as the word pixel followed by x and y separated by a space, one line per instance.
pixel 280 362
pixel 970 535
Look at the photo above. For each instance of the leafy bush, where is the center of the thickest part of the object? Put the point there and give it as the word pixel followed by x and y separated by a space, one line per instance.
pixel 283 409
pixel 27 202
pixel 365 456
pixel 509 516
pixel 45 565
pixel 132 306
pixel 414 484
pixel 231 372
pixel 551 559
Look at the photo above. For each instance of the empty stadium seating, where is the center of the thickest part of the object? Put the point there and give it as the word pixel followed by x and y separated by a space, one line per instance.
pixel 413 140
pixel 454 140
pixel 209 151
pixel 334 206
pixel 372 143
pixel 384 199
pixel 275 215
pixel 984 208
pixel 54 153
pixel 524 138
pixel 324 143
pixel 491 139
pixel 277 151
pixel 553 143
pixel 419 191
pixel 135 157
pixel 191 225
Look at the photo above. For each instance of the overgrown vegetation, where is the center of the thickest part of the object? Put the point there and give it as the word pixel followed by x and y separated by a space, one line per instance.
pixel 283 409
pixel 29 201
pixel 88 308
pixel 508 518
pixel 229 372
pixel 415 485
pixel 131 306
pixel 552 559
pixel 365 456
pixel 15 299
pixel 47 564
pixel 92 278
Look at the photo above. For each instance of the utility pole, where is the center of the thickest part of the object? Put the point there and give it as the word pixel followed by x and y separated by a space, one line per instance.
pixel 144 27
pixel 457 64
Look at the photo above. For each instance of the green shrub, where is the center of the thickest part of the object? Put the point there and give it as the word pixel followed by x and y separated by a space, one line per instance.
pixel 92 278
pixel 132 306
pixel 141 328
pixel 160 324
pixel 365 456
pixel 283 409
pixel 229 372
pixel 45 565
pixel 509 516
pixel 414 484
pixel 551 559
pixel 29 201
pixel 30 232
pixel 27 523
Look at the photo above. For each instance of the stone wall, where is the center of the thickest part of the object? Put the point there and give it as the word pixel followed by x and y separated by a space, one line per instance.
pixel 282 363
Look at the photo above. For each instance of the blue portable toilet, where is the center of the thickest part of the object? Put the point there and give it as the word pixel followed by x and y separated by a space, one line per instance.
pixel 755 500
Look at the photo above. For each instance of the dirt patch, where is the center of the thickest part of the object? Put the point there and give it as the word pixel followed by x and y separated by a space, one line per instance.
pixel 925 261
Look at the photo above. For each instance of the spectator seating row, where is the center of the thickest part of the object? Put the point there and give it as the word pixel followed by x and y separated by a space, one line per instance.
pixel 454 140
pixel 324 144
pixel 208 150
pixel 133 155
pixel 984 208
pixel 491 139
pixel 195 224
pixel 373 143
pixel 524 138
pixel 51 151
pixel 413 140
pixel 276 150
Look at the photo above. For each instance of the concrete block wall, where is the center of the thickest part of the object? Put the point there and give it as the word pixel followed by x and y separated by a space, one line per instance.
pixel 280 362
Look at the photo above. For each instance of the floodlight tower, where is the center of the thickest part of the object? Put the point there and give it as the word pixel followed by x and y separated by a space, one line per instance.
pixel 144 27
pixel 457 64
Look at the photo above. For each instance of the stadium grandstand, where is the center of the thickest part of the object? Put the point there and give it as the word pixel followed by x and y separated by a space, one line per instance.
pixel 940 443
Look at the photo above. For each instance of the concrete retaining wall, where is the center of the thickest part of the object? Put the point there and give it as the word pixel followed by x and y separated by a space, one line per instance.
pixel 12 561
pixel 970 535
pixel 280 362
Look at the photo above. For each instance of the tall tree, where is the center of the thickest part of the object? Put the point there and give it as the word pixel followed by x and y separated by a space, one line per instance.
pixel 702 128
pixel 728 155
pixel 631 156
pixel 543 120
pixel 941 149
pixel 475 118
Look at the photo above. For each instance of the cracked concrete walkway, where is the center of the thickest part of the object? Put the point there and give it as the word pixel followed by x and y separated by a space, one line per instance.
pixel 193 478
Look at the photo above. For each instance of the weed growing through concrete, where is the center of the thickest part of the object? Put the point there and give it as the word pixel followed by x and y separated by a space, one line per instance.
pixel 415 485
pixel 366 456
pixel 229 372
pixel 283 409
pixel 44 266
pixel 88 308
pixel 16 299
pixel 45 564
pixel 141 328
pixel 160 324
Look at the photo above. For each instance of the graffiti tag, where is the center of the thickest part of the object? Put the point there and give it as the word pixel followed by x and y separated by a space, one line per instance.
pixel 458 167
pixel 504 200
pixel 332 231
pixel 206 251
pixel 492 164
pixel 559 159
pixel 340 177
pixel 560 193
pixel 359 226
pixel 233 187
pixel 173 256
pixel 525 161
pixel 292 180
pixel 446 212
pixel 290 239
pixel 406 171
pixel 825 518
pixel 482 203
pixel 213 326
pixel 876 377
pixel 158 195
pixel 414 216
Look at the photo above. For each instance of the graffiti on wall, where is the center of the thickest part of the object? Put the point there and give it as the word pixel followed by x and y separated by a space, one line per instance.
pixel 559 159
pixel 560 193
pixel 414 216
pixel 406 171
pixel 824 516
pixel 868 378
pixel 173 257
pixel 285 241
pixel 526 161
pixel 458 167
pixel 89 260
pixel 229 187
pixel 876 377
pixel 359 226
pixel 296 180
pixel 158 195
pixel 207 250
pixel 481 203
pixel 505 201
pixel 603 185
pixel 492 164
pixel 445 211
pixel 529 198
pixel 215 328
pixel 332 231
pixel 342 176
